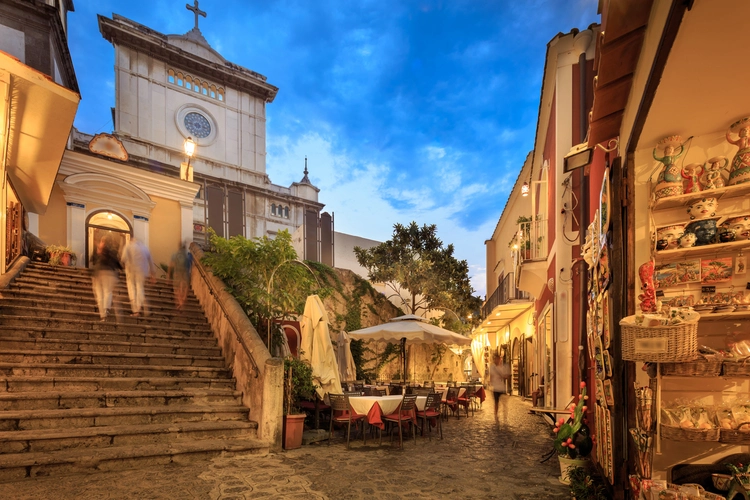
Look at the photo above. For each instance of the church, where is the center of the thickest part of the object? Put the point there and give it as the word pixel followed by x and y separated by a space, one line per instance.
pixel 187 153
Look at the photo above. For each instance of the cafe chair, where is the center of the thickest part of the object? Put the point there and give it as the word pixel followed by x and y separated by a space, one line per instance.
pixel 431 413
pixel 403 415
pixel 465 399
pixel 342 413
pixel 395 390
pixel 451 402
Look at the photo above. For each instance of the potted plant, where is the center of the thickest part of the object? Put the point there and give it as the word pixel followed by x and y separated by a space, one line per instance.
pixel 298 385
pixel 60 255
pixel 585 486
pixel 572 438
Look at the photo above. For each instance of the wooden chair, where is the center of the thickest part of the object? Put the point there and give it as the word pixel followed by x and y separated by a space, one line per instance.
pixel 421 391
pixel 451 402
pixel 342 413
pixel 431 412
pixel 402 415
pixel 465 400
pixel 395 390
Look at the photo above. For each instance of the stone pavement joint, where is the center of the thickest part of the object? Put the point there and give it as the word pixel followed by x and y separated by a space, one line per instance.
pixel 478 459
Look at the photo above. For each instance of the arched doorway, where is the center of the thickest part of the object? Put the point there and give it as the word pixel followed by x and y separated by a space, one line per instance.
pixel 106 224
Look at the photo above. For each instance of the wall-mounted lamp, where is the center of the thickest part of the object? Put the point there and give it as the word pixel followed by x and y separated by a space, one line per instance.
pixel 186 171
pixel 525 189
pixel 581 155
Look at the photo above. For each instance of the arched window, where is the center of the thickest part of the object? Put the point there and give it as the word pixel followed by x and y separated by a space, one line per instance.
pixel 213 91
pixel 286 212
pixel 273 209
pixel 221 94
pixel 204 88
pixel 179 79
pixel 197 86
pixel 189 83
pixel 170 76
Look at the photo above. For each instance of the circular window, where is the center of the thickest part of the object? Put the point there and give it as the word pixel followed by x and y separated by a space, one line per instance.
pixel 197 125
pixel 196 122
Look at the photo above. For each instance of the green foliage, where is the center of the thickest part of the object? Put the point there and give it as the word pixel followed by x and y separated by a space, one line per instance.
pixel 438 351
pixel 298 384
pixel 584 486
pixel 263 275
pixel 414 260
pixel 567 442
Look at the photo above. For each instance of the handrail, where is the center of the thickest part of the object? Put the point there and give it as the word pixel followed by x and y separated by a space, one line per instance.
pixel 200 267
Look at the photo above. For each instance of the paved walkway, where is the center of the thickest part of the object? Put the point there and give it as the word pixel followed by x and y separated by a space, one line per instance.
pixel 478 459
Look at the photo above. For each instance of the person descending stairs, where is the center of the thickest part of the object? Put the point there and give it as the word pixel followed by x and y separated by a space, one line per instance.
pixel 77 393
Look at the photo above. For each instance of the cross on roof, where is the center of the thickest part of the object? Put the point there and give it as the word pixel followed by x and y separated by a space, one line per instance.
pixel 195 11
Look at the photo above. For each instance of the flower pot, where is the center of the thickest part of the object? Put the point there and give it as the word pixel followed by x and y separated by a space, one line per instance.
pixel 569 463
pixel 294 425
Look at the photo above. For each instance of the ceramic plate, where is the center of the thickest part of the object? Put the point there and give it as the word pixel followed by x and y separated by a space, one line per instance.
pixel 605 320
pixel 604 209
pixel 599 359
pixel 600 392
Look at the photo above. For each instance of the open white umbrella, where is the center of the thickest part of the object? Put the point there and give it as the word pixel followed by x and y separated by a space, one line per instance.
pixel 413 330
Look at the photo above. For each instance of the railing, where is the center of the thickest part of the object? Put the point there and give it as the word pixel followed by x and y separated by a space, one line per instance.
pixel 503 294
pixel 532 240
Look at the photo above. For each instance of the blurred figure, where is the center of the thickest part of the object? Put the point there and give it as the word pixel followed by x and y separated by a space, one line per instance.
pixel 179 271
pixel 136 259
pixel 106 266
pixel 499 374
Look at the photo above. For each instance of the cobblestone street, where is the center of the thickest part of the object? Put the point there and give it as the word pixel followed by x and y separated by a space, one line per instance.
pixel 478 459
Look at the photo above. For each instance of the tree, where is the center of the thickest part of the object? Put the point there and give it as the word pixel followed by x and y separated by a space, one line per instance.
pixel 415 261
pixel 264 276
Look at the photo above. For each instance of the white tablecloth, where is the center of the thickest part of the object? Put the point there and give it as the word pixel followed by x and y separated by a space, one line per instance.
pixel 363 404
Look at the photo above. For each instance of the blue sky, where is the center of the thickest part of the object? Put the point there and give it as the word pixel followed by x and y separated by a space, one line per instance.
pixel 407 110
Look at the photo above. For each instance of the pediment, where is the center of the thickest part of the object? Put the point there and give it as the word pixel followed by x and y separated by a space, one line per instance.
pixel 193 43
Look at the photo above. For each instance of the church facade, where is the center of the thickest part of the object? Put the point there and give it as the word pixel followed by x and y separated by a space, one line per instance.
pixel 188 153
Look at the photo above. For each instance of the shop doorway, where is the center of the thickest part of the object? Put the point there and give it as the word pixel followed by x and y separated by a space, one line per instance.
pixel 106 224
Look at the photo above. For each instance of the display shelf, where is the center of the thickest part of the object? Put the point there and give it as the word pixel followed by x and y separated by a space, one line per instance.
pixel 677 254
pixel 684 200
pixel 725 316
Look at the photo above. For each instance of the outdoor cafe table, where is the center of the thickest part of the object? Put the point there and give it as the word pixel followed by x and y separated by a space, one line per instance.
pixel 377 406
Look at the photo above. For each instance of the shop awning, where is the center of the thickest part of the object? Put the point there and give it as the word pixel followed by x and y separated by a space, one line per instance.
pixel 503 315
pixel 37 115
pixel 532 277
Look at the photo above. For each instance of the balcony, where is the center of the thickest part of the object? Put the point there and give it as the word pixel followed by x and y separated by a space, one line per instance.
pixel 531 240
pixel 503 294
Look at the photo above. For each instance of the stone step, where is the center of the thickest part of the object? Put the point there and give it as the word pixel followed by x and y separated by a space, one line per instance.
pixel 23 383
pixel 142 371
pixel 79 273
pixel 9 309
pixel 18 466
pixel 161 308
pixel 84 279
pixel 191 339
pixel 51 400
pixel 19 344
pixel 47 440
pixel 108 358
pixel 83 286
pixel 77 418
pixel 114 323
pixel 86 293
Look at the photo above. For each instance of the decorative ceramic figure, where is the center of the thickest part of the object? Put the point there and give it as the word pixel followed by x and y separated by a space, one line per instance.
pixel 687 240
pixel 648 297
pixel 713 169
pixel 705 231
pixel 739 172
pixel 666 237
pixel 669 182
pixel 739 227
pixel 702 209
pixel 692 174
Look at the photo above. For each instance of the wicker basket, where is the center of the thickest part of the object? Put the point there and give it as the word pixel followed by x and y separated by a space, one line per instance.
pixel 704 366
pixel 737 368
pixel 659 344
pixel 682 434
pixel 736 436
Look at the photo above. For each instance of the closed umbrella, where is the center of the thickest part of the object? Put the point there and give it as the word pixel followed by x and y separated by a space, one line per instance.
pixel 347 368
pixel 317 348
pixel 410 329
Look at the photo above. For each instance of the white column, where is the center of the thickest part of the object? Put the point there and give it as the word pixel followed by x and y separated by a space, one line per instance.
pixel 77 230
pixel 186 219
pixel 141 228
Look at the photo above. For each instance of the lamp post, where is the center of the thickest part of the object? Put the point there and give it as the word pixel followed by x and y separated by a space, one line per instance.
pixel 186 172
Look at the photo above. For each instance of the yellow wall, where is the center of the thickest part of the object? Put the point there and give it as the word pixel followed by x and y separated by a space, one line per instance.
pixel 53 225
pixel 164 229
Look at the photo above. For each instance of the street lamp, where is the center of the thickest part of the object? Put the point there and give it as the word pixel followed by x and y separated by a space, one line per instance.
pixel 186 171
pixel 525 189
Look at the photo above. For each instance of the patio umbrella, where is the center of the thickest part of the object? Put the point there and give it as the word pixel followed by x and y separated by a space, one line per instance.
pixel 410 329
pixel 347 368
pixel 317 347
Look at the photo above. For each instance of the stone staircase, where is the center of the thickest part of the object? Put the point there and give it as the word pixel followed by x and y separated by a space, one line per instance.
pixel 79 394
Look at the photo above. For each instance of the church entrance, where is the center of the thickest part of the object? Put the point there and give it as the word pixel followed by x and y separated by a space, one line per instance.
pixel 106 224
